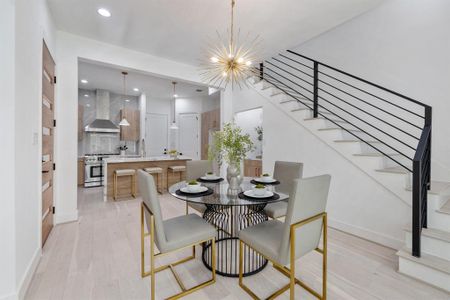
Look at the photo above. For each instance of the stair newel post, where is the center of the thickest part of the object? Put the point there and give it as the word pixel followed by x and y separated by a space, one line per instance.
pixel 416 207
pixel 316 90
pixel 428 123
pixel 261 71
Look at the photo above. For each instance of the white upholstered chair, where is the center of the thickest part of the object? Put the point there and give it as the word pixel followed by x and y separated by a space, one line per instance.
pixel 170 235
pixel 194 170
pixel 286 172
pixel 284 242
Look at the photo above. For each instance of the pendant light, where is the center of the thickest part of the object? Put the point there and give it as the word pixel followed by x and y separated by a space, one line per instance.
pixel 174 96
pixel 124 121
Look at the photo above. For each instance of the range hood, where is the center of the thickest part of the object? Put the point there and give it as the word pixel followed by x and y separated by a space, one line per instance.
pixel 102 123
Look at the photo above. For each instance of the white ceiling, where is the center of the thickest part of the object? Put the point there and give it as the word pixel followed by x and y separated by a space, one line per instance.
pixel 100 76
pixel 179 29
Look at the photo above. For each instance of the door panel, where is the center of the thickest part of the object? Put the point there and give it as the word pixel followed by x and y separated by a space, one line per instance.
pixel 189 135
pixel 156 134
pixel 48 105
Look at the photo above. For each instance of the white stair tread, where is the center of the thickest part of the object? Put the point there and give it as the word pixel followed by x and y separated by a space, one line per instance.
pixel 375 154
pixel 355 141
pixel 322 118
pixel 437 187
pixel 433 233
pixel 394 170
pixel 288 101
pixel 426 260
pixel 446 207
pixel 338 128
pixel 300 109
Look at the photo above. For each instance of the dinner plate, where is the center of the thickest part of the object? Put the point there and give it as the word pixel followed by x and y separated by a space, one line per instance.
pixel 261 180
pixel 187 191
pixel 211 178
pixel 250 194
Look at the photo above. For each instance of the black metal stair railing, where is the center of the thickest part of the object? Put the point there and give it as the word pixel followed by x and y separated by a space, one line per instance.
pixel 394 125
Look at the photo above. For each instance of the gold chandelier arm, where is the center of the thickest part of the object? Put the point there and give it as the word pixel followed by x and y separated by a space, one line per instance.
pixel 233 3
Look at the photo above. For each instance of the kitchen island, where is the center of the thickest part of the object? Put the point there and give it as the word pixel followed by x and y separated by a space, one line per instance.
pixel 131 162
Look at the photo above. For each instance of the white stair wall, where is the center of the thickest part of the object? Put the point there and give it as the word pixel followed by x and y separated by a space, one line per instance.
pixel 433 266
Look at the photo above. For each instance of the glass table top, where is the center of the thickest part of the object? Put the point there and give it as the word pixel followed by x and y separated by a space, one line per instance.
pixel 220 196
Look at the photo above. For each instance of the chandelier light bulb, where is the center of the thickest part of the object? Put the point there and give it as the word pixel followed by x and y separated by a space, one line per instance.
pixel 214 59
pixel 240 60
pixel 224 74
pixel 248 63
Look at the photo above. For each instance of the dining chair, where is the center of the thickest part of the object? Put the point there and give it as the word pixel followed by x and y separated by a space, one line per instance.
pixel 171 235
pixel 285 172
pixel 283 243
pixel 194 170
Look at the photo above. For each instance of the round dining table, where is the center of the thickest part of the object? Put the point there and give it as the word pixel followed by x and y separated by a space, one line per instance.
pixel 230 213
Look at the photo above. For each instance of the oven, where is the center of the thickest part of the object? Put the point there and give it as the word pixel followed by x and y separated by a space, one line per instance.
pixel 93 171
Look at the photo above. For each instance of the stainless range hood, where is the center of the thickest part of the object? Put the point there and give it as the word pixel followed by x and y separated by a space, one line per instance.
pixel 102 123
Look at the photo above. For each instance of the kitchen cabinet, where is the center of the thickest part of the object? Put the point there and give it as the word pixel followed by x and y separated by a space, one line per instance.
pixel 80 171
pixel 80 122
pixel 252 167
pixel 210 122
pixel 132 132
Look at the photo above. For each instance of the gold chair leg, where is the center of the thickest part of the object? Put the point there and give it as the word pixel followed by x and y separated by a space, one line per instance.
pixel 324 257
pixel 115 186
pixel 152 258
pixel 292 265
pixel 142 242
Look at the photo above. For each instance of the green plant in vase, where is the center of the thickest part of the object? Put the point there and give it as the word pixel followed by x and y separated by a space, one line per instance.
pixel 231 146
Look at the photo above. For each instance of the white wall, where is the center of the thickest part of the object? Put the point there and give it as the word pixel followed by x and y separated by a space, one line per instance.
pixel 24 25
pixel 248 120
pixel 402 45
pixel 356 203
pixel 69 49
pixel 7 153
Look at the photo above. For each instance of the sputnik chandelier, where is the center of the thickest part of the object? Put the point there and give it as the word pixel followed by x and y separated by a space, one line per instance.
pixel 229 59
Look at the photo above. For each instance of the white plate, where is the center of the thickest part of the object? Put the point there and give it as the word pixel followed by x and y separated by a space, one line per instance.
pixel 201 190
pixel 249 193
pixel 262 180
pixel 212 178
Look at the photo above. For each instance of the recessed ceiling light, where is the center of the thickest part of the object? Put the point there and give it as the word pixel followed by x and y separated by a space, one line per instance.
pixel 127 100
pixel 88 105
pixel 136 89
pixel 86 95
pixel 84 81
pixel 104 12
pixel 175 96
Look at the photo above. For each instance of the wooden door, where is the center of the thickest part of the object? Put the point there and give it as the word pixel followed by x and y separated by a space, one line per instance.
pixel 132 132
pixel 48 123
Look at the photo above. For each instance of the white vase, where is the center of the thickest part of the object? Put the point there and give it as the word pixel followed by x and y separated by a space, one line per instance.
pixel 234 179
pixel 122 152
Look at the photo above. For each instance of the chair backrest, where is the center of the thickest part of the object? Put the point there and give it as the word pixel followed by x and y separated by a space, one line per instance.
pixel 308 199
pixel 150 197
pixel 286 172
pixel 197 168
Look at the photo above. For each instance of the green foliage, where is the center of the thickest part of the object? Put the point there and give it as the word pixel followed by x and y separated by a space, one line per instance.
pixel 260 186
pixel 193 182
pixel 230 145
pixel 265 175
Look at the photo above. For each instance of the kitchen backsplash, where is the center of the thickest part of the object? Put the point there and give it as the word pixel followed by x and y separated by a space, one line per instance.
pixel 104 142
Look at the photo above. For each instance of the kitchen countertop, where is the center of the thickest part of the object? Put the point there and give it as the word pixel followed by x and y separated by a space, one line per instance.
pixel 125 159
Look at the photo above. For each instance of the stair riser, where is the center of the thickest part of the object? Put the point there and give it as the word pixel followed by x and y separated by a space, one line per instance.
pixel 438 220
pixel 424 273
pixel 347 136
pixel 431 246
pixel 387 163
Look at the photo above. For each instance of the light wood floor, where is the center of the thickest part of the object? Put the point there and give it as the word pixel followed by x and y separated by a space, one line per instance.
pixel 98 257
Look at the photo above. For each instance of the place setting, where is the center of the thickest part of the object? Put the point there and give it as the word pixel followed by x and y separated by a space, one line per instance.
pixel 265 179
pixel 259 192
pixel 210 177
pixel 193 189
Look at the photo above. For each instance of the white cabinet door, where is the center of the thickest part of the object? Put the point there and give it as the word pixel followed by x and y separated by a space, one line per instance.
pixel 189 140
pixel 156 127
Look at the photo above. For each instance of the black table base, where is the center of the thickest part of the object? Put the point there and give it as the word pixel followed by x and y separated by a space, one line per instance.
pixel 228 221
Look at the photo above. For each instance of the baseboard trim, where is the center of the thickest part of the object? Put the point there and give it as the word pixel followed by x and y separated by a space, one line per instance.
pixel 367 234
pixel 26 279
pixel 66 218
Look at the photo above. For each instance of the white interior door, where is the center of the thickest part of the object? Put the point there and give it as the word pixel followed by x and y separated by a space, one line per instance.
pixel 156 127
pixel 189 137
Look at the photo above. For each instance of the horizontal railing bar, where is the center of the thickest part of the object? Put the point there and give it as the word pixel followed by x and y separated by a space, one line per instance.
pixel 373 116
pixel 287 57
pixel 284 63
pixel 358 137
pixel 373 95
pixel 306 81
pixel 363 80
pixel 267 68
pixel 295 97
pixel 373 127
pixel 368 103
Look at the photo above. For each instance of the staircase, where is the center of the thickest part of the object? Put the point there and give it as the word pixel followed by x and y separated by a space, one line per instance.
pixel 386 134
